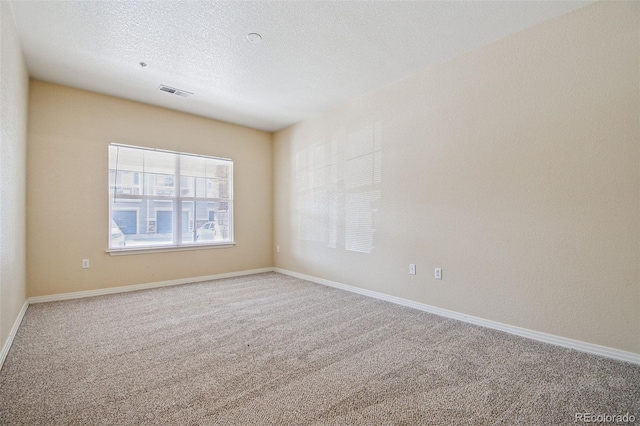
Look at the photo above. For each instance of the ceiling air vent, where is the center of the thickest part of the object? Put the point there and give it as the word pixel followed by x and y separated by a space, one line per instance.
pixel 175 91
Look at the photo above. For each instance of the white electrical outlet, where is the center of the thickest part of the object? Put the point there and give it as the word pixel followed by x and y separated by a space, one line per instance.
pixel 277 249
pixel 412 269
pixel 438 273
pixel 85 263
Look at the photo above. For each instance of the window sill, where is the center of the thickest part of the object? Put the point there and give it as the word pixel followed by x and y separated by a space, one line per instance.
pixel 165 249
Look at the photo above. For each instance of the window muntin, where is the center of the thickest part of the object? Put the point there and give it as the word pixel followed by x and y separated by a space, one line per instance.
pixel 179 199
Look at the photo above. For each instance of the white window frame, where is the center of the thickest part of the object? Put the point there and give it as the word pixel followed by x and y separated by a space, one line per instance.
pixel 177 202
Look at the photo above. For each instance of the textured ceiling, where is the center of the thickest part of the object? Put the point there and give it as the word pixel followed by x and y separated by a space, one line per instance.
pixel 314 55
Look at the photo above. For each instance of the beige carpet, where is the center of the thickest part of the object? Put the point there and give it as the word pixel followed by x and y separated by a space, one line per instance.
pixel 271 349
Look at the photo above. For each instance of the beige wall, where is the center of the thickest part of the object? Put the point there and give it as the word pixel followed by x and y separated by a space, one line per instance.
pixel 14 85
pixel 515 168
pixel 69 131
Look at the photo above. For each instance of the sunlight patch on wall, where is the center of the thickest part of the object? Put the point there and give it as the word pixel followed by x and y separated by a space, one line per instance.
pixel 338 186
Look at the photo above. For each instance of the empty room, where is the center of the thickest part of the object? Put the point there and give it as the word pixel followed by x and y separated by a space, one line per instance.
pixel 319 212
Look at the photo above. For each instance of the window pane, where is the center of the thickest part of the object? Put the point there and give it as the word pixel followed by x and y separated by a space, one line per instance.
pixel 193 166
pixel 142 223
pixel 223 221
pixel 123 158
pixel 200 187
pixel 125 182
pixel 157 184
pixel 158 162
pixel 187 186
pixel 211 222
pixel 141 160
pixel 117 236
pixel 223 176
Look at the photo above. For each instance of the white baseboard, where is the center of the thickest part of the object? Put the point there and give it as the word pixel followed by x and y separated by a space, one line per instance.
pixel 12 333
pixel 518 331
pixel 124 289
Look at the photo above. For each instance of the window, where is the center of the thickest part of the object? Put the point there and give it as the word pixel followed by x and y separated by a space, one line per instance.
pixel 164 199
